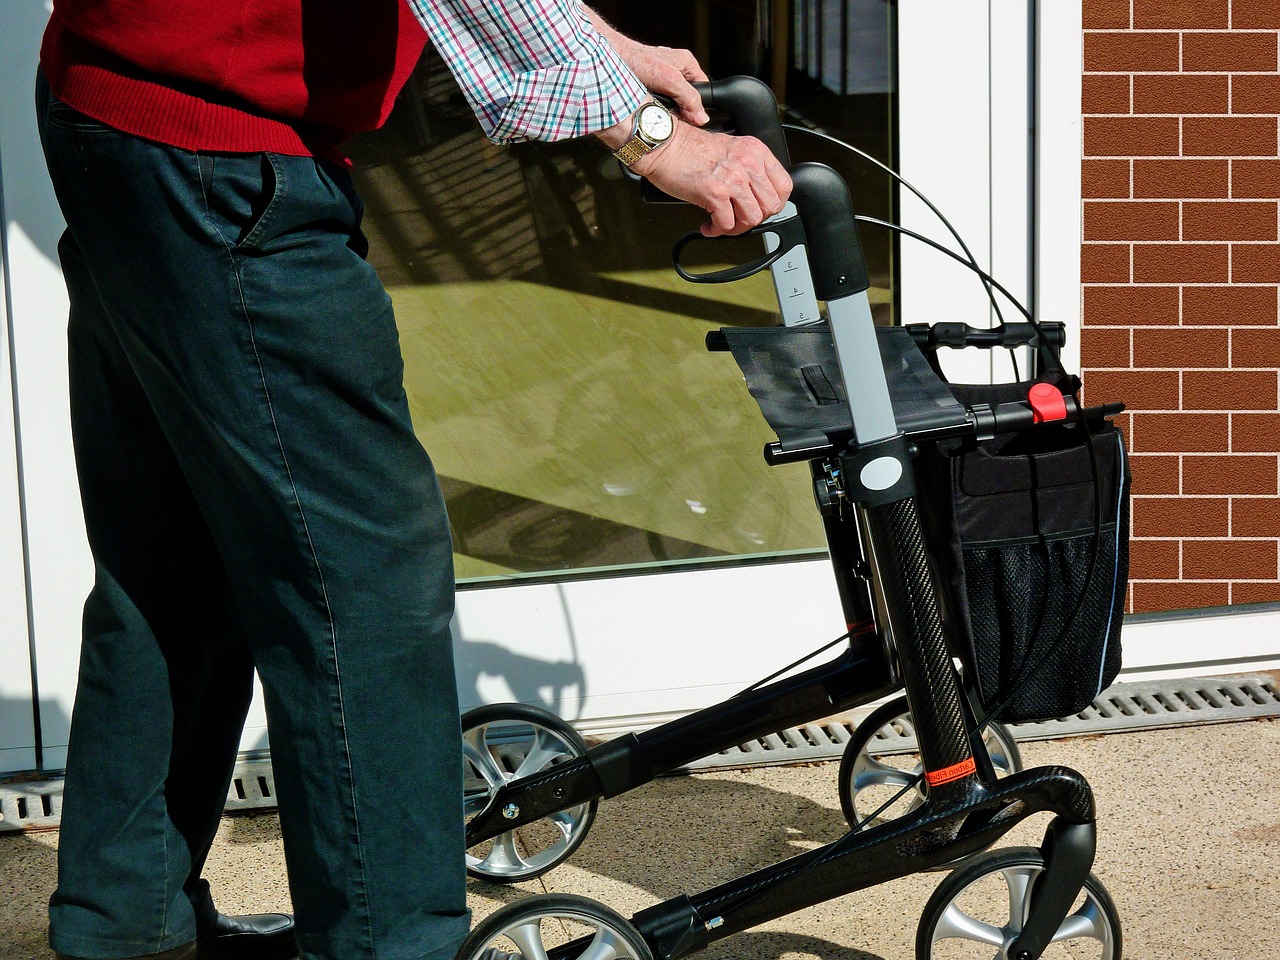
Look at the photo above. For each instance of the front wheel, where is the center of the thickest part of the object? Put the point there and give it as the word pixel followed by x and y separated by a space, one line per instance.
pixel 574 928
pixel 983 906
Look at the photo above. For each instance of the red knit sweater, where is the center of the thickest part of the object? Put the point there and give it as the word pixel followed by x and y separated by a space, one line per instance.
pixel 287 76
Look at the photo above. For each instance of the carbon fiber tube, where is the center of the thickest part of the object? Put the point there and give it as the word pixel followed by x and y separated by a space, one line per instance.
pixel 911 607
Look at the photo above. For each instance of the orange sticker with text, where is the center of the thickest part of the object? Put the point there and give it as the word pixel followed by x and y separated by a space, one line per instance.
pixel 965 768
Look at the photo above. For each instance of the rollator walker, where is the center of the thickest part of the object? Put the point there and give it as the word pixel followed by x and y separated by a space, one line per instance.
pixel 867 408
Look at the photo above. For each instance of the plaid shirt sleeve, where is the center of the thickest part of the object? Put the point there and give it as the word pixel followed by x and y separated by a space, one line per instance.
pixel 531 69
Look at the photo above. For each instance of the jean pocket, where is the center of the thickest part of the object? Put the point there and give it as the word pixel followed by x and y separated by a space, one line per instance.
pixel 262 212
pixel 70 119
pixel 243 194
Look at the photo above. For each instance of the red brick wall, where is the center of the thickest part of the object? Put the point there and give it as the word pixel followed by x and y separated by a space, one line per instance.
pixel 1181 268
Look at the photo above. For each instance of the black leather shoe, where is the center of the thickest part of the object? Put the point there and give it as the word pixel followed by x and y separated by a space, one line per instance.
pixel 262 936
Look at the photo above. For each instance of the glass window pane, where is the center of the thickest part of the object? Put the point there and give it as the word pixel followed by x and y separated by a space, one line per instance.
pixel 554 362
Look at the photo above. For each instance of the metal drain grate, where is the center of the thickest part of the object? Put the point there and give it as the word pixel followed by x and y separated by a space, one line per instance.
pixel 30 805
pixel 252 787
pixel 37 805
pixel 1122 706
pixel 1164 703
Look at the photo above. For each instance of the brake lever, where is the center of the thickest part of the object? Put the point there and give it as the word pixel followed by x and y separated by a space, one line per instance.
pixel 789 233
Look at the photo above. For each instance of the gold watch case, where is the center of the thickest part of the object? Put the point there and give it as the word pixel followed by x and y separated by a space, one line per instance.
pixel 654 126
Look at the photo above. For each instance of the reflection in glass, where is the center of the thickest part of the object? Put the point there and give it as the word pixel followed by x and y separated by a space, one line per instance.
pixel 554 362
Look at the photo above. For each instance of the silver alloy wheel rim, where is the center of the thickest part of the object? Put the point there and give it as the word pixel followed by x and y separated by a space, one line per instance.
pixel 527 934
pixel 1089 921
pixel 499 760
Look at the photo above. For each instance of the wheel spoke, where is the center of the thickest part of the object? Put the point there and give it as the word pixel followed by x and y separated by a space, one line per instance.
pixel 1019 881
pixel 602 947
pixel 504 858
pixel 473 801
pixel 871 773
pixel 955 923
pixel 1021 871
pixel 540 756
pixel 528 937
pixel 621 948
pixel 1085 922
pixel 566 821
pixel 476 751
pixel 499 747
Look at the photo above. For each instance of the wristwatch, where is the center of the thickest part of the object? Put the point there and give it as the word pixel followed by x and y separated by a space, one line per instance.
pixel 654 127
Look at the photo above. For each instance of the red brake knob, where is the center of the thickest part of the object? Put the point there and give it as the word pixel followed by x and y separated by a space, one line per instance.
pixel 1047 402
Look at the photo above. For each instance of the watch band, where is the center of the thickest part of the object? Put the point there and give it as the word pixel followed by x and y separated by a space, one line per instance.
pixel 632 150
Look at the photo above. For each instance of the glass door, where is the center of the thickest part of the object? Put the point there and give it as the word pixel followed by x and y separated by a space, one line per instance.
pixel 555 363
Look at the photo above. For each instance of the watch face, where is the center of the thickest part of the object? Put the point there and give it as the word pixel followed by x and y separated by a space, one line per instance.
pixel 656 123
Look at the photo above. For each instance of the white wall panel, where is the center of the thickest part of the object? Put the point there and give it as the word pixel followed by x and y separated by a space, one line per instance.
pixel 1060 51
pixel 944 136
pixel 59 560
pixel 612 653
pixel 17 727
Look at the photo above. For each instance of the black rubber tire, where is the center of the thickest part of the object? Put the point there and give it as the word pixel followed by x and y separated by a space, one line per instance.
pixel 551 905
pixel 996 861
pixel 523 713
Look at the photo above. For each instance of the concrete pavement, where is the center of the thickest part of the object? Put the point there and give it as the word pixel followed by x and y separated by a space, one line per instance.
pixel 1189 847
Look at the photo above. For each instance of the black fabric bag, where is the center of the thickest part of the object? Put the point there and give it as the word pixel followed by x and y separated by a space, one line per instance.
pixel 1033 558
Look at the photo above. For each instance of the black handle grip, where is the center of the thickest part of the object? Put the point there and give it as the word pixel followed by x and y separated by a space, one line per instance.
pixel 957 335
pixel 752 107
pixel 835 250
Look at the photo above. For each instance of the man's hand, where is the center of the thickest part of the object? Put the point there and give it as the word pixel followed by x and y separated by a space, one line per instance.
pixel 664 70
pixel 737 180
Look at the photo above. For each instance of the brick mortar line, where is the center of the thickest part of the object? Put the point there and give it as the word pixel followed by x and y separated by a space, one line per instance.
pixel 1268 538
pixel 1178 156
pixel 1219 539
pixel 1177 200
pixel 1182 116
pixel 1216 497
pixel 1180 30
pixel 1198 243
pixel 1223 539
pixel 1202 31
pixel 1134 580
pixel 1166 283
pixel 1180 73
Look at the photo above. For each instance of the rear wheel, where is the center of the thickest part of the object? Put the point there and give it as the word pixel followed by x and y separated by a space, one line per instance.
pixel 504 742
pixel 881 760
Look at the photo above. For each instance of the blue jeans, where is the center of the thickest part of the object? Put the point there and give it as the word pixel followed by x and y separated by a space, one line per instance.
pixel 254 496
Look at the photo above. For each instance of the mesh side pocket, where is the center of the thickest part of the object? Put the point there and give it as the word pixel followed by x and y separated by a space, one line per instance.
pixel 1025 645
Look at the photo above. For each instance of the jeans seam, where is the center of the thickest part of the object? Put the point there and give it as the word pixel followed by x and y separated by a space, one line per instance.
pixel 315 559
pixel 164 907
pixel 324 592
